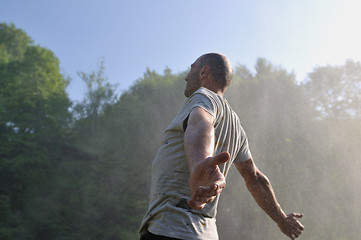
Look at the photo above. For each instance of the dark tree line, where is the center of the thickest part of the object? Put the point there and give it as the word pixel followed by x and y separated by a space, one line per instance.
pixel 81 170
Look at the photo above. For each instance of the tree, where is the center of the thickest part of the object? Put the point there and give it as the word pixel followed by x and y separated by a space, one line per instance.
pixel 100 93
pixel 89 179
pixel 336 90
pixel 33 114
pixel 13 43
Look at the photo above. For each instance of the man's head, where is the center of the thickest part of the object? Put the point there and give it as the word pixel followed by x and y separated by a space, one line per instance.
pixel 212 71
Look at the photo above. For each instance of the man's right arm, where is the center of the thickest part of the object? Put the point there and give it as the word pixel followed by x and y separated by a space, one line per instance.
pixel 206 180
pixel 261 189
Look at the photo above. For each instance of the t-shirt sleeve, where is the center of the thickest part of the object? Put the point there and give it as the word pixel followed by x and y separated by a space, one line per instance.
pixel 244 153
pixel 202 101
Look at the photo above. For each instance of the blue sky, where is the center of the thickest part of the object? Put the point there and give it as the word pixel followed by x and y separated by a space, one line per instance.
pixel 133 35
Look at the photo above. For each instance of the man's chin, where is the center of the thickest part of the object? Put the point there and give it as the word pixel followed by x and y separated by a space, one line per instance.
pixel 186 93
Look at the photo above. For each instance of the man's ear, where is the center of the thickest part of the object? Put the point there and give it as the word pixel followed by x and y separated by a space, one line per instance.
pixel 204 71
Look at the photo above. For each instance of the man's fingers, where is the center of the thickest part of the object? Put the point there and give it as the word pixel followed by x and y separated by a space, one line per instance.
pixel 195 204
pixel 203 200
pixel 291 226
pixel 296 215
pixel 220 185
pixel 220 158
pixel 203 196
pixel 301 226
pixel 211 181
pixel 208 191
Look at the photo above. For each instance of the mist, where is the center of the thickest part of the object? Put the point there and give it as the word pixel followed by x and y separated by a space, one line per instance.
pixel 311 157
pixel 81 170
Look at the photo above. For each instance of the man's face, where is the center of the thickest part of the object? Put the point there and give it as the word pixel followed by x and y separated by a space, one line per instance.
pixel 193 79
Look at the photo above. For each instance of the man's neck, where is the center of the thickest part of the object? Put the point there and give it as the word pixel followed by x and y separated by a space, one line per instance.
pixel 216 90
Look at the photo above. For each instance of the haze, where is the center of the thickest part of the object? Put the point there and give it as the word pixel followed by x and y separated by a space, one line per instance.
pixel 81 169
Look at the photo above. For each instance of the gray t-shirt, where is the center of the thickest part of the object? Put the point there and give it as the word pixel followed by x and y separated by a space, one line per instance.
pixel 168 214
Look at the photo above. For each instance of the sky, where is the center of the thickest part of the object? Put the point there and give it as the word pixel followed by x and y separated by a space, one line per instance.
pixel 133 35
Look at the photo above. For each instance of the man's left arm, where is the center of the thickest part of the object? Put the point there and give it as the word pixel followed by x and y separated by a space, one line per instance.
pixel 262 191
pixel 206 180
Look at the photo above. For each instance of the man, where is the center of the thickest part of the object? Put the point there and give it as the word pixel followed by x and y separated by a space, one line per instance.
pixel 199 146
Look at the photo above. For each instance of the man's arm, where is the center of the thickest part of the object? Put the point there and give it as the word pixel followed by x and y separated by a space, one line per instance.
pixel 261 189
pixel 206 180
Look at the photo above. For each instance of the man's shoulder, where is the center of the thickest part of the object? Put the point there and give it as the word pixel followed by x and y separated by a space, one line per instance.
pixel 204 92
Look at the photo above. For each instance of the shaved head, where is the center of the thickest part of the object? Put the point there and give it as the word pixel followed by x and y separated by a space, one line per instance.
pixel 220 68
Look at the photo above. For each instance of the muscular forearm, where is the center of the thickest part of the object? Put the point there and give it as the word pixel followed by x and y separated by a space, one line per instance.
pixel 262 191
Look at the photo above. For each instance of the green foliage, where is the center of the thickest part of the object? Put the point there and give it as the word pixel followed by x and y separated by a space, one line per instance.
pixel 13 43
pixel 336 90
pixel 99 94
pixel 33 115
pixel 126 141
pixel 86 175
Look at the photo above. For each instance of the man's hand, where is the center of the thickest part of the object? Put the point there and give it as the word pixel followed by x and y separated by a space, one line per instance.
pixel 290 226
pixel 207 181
